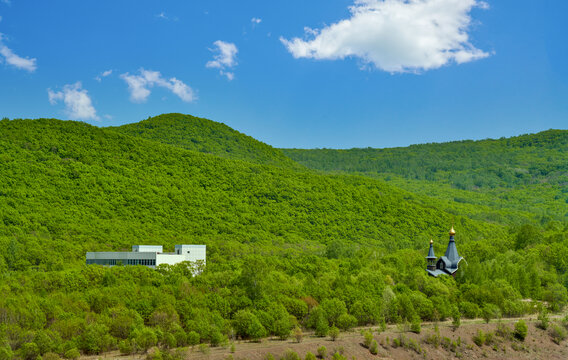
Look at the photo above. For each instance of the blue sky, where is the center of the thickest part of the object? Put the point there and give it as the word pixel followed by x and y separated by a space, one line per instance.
pixel 336 74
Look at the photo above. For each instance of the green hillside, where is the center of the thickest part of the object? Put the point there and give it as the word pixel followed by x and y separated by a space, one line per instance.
pixel 520 177
pixel 193 133
pixel 286 247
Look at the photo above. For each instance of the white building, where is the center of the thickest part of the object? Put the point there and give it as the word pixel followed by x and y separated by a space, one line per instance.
pixel 148 255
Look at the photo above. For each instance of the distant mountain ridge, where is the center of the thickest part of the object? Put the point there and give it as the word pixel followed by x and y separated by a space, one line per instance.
pixel 207 136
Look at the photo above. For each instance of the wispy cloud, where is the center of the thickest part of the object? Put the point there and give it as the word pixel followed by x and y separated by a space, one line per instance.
pixel 78 104
pixel 255 21
pixel 164 16
pixel 28 64
pixel 102 75
pixel 396 35
pixel 225 57
pixel 139 86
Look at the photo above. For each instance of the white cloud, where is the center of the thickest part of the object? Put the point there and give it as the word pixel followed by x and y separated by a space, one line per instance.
pixel 255 21
pixel 102 75
pixel 78 104
pixel 225 57
pixel 16 61
pixel 396 35
pixel 139 85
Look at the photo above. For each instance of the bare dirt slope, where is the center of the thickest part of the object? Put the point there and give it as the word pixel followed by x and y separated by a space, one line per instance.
pixel 446 344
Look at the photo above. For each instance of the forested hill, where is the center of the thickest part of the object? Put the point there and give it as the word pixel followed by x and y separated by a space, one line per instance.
pixel 521 160
pixel 193 133
pixel 71 183
pixel 527 173
pixel 287 247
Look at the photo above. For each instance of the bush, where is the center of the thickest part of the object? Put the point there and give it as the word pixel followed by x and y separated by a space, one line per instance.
pixel 479 338
pixel 368 339
pixel 298 334
pixel 374 348
pixel 557 333
pixel 232 349
pixel 29 351
pixel 49 356
pixel 125 347
pixel 204 349
pixel 6 353
pixel 193 338
pixel 415 326
pixel 269 356
pixel 346 321
pixel 310 356
pixel 521 330
pixel 490 311
pixel 72 354
pixel 543 319
pixel 290 355
pixel 333 333
pixel 338 356
pixel 322 352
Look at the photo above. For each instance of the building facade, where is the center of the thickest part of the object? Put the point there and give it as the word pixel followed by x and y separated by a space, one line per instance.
pixel 447 264
pixel 149 255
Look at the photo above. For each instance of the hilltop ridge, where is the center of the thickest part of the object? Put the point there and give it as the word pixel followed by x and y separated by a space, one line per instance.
pixel 207 136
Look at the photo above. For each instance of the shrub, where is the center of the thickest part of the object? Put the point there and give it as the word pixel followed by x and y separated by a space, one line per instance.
pixel 310 356
pixel 490 311
pixel 322 352
pixel 290 355
pixel 125 347
pixel 298 334
pixel 346 321
pixel 72 354
pixel 521 330
pixel 368 339
pixel 6 353
pixel 154 354
pixel 543 319
pixel 374 348
pixel 415 326
pixel 232 350
pixel 269 356
pixel 479 338
pixel 333 333
pixel 338 356
pixel 557 333
pixel 204 349
pixel 49 356
pixel 29 351
pixel 193 338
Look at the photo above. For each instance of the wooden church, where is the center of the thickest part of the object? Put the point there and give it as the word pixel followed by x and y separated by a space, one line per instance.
pixel 447 264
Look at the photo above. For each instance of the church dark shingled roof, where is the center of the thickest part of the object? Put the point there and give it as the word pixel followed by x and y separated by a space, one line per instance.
pixel 447 264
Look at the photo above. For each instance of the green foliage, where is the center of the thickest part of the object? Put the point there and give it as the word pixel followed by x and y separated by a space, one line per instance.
pixel 278 238
pixel 72 354
pixel 310 356
pixel 374 347
pixel 322 352
pixel 367 338
pixel 479 338
pixel 557 333
pixel 543 319
pixel 521 330
pixel 298 334
pixel 333 333
pixel 205 136
pixel 290 354
pixel 415 325
pixel 456 318
pixel 29 351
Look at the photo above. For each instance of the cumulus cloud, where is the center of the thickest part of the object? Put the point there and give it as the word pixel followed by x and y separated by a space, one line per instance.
pixel 225 57
pixel 139 86
pixel 28 64
pixel 78 104
pixel 396 35
pixel 255 21
pixel 102 75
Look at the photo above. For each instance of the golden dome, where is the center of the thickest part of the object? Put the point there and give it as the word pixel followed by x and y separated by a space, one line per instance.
pixel 452 231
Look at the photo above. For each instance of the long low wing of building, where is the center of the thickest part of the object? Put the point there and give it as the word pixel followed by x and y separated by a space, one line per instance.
pixel 149 255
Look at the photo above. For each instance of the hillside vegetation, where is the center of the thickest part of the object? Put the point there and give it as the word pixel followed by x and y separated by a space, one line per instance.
pixel 193 133
pixel 286 247
pixel 519 178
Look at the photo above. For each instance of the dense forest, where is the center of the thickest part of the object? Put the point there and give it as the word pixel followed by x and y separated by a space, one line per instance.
pixel 509 180
pixel 287 247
